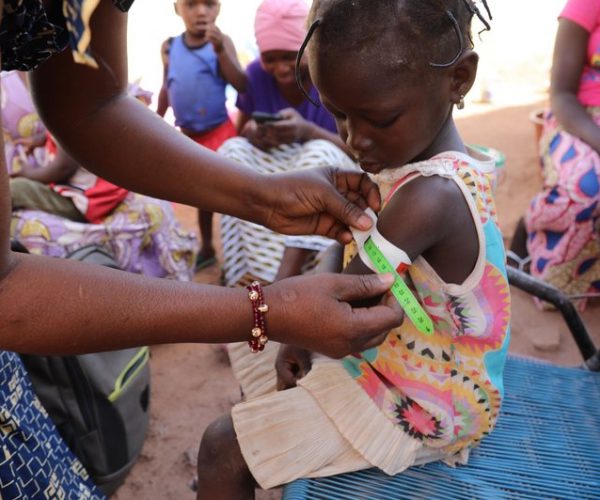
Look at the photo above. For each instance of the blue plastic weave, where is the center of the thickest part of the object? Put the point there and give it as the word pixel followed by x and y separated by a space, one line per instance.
pixel 546 445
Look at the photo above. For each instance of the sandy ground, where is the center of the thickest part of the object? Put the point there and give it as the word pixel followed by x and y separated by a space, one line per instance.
pixel 192 384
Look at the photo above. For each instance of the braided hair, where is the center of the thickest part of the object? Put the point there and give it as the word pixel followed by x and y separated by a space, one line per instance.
pixel 432 33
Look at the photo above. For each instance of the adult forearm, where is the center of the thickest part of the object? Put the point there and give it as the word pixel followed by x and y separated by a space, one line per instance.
pixel 148 156
pixel 52 306
pixel 575 119
pixel 60 170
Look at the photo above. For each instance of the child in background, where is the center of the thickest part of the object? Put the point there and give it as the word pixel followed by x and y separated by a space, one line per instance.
pixel 391 72
pixel 198 65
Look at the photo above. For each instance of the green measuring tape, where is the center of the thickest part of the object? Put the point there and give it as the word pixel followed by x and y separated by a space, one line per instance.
pixel 400 290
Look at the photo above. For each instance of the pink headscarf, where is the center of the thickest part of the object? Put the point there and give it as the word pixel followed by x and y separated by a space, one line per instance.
pixel 280 25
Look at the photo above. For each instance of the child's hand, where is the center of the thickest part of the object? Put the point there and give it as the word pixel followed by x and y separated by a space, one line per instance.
pixel 314 312
pixel 215 36
pixel 292 364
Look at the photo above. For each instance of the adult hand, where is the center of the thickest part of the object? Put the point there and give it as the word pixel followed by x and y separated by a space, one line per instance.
pixel 259 135
pixel 31 142
pixel 293 127
pixel 313 312
pixel 324 201
pixel 292 364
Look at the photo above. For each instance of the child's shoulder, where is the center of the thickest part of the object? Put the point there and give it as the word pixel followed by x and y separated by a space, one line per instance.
pixel 427 198
pixel 165 48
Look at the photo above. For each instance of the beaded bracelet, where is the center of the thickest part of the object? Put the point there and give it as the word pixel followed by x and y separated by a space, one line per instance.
pixel 259 309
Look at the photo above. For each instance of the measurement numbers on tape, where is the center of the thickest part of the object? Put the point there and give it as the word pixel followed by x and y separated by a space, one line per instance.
pixel 400 290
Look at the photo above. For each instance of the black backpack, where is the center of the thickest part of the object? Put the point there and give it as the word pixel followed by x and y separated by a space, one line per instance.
pixel 99 402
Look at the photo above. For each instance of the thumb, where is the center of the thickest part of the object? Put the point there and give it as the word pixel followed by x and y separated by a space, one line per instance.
pixel 364 286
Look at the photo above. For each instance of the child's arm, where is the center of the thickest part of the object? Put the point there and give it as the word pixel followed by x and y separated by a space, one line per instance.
pixel 292 261
pixel 430 217
pixel 228 60
pixel 163 95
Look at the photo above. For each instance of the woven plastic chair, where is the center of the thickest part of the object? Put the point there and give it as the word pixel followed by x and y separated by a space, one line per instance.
pixel 546 443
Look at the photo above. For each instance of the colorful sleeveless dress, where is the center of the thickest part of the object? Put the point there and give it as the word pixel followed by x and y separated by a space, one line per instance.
pixel 442 391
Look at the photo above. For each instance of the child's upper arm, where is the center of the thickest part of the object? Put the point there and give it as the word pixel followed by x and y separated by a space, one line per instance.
pixel 164 54
pixel 421 214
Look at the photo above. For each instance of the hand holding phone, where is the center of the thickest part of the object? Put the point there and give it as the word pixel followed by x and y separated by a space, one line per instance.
pixel 261 117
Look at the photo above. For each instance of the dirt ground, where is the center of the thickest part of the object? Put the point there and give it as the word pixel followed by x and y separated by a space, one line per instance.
pixel 192 384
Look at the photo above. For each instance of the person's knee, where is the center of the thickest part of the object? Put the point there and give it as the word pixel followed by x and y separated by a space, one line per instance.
pixel 218 442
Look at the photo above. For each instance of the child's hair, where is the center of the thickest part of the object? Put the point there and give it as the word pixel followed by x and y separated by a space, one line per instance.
pixel 433 32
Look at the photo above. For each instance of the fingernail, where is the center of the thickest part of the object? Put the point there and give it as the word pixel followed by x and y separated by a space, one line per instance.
pixel 364 222
pixel 386 279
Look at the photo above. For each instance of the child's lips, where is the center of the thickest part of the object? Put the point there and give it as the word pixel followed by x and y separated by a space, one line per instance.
pixel 370 165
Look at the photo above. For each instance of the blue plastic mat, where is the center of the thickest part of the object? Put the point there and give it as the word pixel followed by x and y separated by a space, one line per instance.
pixel 546 445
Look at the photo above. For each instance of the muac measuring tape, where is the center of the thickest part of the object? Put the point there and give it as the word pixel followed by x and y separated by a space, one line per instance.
pixel 400 290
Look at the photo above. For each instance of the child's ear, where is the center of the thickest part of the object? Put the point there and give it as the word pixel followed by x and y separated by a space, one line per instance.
pixel 463 75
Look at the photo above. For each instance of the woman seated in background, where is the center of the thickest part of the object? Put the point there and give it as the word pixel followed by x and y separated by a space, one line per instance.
pixel 563 220
pixel 58 206
pixel 299 135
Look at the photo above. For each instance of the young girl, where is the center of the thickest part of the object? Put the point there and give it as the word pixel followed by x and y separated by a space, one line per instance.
pixel 390 71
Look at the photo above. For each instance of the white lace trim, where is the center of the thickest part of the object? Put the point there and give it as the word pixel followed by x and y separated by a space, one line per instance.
pixel 441 164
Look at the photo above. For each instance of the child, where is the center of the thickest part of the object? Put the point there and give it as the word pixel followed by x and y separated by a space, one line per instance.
pixel 198 65
pixel 390 72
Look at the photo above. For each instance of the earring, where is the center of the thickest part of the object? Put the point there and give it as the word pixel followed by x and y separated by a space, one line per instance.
pixel 461 103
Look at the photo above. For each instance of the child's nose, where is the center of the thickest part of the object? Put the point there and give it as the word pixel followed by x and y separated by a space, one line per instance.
pixel 356 140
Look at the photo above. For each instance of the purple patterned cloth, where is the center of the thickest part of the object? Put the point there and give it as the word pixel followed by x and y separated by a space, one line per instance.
pixel 142 233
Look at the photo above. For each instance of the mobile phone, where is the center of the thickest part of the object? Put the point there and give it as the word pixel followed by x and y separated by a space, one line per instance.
pixel 260 117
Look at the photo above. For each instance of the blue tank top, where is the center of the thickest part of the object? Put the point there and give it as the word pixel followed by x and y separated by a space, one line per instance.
pixel 195 87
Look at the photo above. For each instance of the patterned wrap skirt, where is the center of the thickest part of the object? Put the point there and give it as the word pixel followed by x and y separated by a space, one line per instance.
pixel 563 220
pixel 253 252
